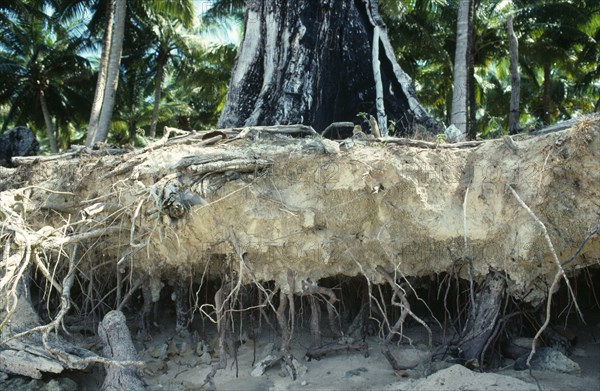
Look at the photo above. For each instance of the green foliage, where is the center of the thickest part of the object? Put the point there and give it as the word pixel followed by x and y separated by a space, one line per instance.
pixel 363 115
pixel 51 48
pixel 561 35
pixel 440 138
pixel 39 56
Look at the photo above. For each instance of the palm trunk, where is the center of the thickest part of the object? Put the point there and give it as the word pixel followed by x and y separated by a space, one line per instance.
pixel 514 113
pixel 101 82
pixel 132 130
pixel 472 110
pixel 157 93
pixel 112 78
pixel 460 90
pixel 546 92
pixel 48 121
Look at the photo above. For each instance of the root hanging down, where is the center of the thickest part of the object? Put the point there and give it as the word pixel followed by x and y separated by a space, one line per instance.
pixel 404 312
pixel 559 273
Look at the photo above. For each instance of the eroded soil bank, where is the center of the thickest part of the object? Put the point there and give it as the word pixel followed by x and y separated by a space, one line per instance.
pixel 261 220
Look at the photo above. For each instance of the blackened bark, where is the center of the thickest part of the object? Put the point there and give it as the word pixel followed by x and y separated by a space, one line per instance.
pixel 309 62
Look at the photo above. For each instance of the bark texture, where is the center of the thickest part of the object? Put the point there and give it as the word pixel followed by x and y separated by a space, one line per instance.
pixel 460 88
pixel 515 78
pixel 112 76
pixel 101 81
pixel 482 319
pixel 117 342
pixel 311 62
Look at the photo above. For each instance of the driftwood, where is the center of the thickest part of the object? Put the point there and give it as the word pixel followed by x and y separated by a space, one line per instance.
pixel 117 342
pixel 317 353
pixel 31 364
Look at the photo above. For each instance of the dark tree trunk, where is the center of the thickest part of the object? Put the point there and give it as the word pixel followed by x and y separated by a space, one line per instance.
pixel 482 319
pixel 310 62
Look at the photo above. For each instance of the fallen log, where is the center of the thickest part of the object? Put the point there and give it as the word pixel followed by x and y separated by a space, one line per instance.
pixel 322 351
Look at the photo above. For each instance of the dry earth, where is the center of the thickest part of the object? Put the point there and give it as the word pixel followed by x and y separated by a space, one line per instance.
pixel 265 208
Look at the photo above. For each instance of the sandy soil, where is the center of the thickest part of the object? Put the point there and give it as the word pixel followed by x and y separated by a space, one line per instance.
pixel 182 370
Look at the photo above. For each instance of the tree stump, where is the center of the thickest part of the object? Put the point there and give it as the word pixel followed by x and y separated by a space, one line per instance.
pixel 483 317
pixel 117 342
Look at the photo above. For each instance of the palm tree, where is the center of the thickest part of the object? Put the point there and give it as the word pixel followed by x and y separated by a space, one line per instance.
pixel 40 67
pixel 555 34
pixel 460 91
pixel 170 45
pixel 112 49
pixel 108 81
pixel 203 81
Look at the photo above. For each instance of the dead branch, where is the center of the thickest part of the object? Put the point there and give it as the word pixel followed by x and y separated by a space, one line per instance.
pixel 317 353
pixel 78 151
pixel 274 129
pixel 425 144
pixel 337 125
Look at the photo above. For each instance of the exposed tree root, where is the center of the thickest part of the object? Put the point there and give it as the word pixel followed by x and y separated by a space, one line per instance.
pixel 482 318
pixel 87 254
pixel 404 312
pixel 560 273
pixel 317 353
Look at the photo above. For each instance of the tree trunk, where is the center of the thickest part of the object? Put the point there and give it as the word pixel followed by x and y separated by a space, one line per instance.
pixel 131 130
pixel 310 62
pixel 460 89
pixel 112 78
pixel 546 92
pixel 162 61
pixel 48 121
pixel 514 113
pixel 117 343
pixel 101 82
pixel 482 318
pixel 472 110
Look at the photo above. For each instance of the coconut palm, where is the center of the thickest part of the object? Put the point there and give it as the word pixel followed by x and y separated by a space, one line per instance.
pixel 114 34
pixel 41 69
pixel 557 35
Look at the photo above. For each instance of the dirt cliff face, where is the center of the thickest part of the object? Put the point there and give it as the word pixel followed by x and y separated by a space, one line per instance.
pixel 265 206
